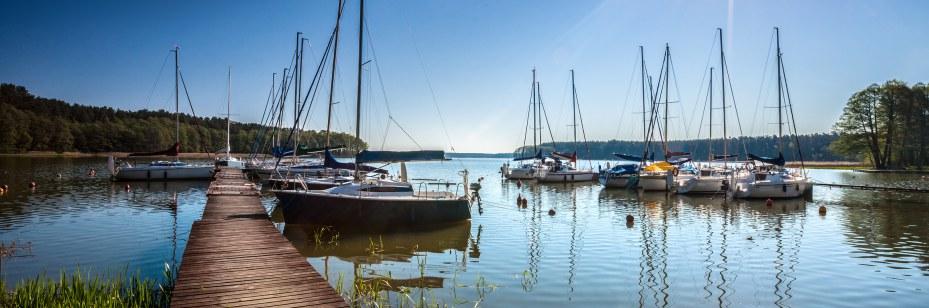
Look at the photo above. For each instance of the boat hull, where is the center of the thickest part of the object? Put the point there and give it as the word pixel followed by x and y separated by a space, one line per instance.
pixel 164 173
pixel 340 210
pixel 520 174
pixel 615 181
pixel 564 177
pixel 654 182
pixel 702 185
pixel 773 190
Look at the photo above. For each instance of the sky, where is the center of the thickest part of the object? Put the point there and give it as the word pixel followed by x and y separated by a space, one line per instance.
pixel 456 75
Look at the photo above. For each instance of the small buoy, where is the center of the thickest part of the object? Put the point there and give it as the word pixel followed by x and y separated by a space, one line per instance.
pixel 127 187
pixel 749 238
pixel 525 203
pixel 59 176
pixel 551 212
pixel 777 229
pixel 519 183
pixel 822 210
pixel 32 185
pixel 630 219
pixel 769 202
pixel 6 187
pixel 519 200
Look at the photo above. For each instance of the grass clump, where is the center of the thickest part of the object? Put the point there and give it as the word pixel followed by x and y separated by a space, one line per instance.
pixel 84 289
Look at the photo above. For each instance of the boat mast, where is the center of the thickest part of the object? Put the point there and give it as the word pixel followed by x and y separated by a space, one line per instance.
pixel 667 53
pixel 644 128
pixel 280 116
pixel 711 115
pixel 535 114
pixel 574 110
pixel 722 80
pixel 780 121
pixel 298 72
pixel 361 27
pixel 228 106
pixel 335 53
pixel 177 112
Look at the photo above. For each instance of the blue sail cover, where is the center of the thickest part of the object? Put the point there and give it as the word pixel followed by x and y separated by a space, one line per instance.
pixel 779 160
pixel 717 157
pixel 536 156
pixel 676 154
pixel 330 162
pixel 624 169
pixel 679 160
pixel 630 157
pixel 279 152
pixel 398 156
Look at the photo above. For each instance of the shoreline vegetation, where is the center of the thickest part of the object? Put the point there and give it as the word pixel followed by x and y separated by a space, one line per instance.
pixel 82 288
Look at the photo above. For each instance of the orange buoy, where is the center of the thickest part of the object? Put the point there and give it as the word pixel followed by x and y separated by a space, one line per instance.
pixel 769 202
pixel 822 210
pixel 551 212
pixel 525 202
pixel 630 219
pixel 519 200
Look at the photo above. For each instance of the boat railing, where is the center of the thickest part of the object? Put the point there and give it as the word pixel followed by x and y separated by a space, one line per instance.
pixel 422 190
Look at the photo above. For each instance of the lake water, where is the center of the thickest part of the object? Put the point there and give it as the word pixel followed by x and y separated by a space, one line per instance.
pixel 869 249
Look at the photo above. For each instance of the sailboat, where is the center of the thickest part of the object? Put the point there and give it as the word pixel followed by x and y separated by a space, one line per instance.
pixel 376 202
pixel 712 179
pixel 661 175
pixel 162 170
pixel 228 160
pixel 529 166
pixel 771 179
pixel 564 166
pixel 625 175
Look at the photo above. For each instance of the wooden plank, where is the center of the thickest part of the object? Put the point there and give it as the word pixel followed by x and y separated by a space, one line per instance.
pixel 235 257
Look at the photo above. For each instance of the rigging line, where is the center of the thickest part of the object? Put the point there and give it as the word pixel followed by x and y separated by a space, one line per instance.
pixel 386 131
pixel 761 87
pixel 619 124
pixel 184 83
pixel 151 92
pixel 405 132
pixel 264 113
pixel 547 123
pixel 703 80
pixel 528 112
pixel 735 108
pixel 422 65
pixel 790 107
pixel 580 117
pixel 706 101
pixel 677 89
pixel 316 82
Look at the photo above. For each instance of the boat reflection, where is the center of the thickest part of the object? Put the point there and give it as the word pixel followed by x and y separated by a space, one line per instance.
pixel 361 247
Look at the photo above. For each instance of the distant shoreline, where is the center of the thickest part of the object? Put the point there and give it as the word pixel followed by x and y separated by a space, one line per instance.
pixel 114 154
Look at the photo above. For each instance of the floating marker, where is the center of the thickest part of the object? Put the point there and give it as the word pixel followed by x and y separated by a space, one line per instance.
pixel 769 202
pixel 551 212
pixel 33 185
pixel 822 210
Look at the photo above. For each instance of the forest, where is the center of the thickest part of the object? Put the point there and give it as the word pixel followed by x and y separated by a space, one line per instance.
pixel 31 123
pixel 886 126
pixel 813 147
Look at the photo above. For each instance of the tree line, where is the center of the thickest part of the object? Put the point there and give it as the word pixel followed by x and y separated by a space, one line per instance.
pixel 813 147
pixel 31 123
pixel 886 125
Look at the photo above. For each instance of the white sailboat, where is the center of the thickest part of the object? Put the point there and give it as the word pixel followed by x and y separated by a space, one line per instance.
pixel 712 178
pixel 375 201
pixel 770 179
pixel 563 167
pixel 528 167
pixel 163 170
pixel 228 160
pixel 625 174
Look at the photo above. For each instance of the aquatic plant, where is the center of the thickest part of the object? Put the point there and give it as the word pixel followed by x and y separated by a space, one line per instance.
pixel 83 289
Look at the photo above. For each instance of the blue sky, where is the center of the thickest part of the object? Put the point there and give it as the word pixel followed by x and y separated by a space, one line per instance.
pixel 476 55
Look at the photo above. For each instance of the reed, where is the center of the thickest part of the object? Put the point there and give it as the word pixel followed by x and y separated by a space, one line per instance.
pixel 85 289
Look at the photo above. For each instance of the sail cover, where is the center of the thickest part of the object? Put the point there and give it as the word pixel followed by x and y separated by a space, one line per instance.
pixel 779 160
pixel 398 156
pixel 679 161
pixel 330 162
pixel 301 150
pixel 566 156
pixel 676 154
pixel 169 152
pixel 630 157
pixel 625 169
pixel 717 157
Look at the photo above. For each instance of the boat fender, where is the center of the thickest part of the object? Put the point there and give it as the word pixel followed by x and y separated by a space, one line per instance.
pixel 33 185
pixel 822 210
pixel 676 171
pixel 769 202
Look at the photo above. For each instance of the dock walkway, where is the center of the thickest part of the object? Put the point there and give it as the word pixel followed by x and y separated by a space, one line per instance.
pixel 235 257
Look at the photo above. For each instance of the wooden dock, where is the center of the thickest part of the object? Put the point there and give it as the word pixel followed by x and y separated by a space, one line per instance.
pixel 874 188
pixel 235 257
